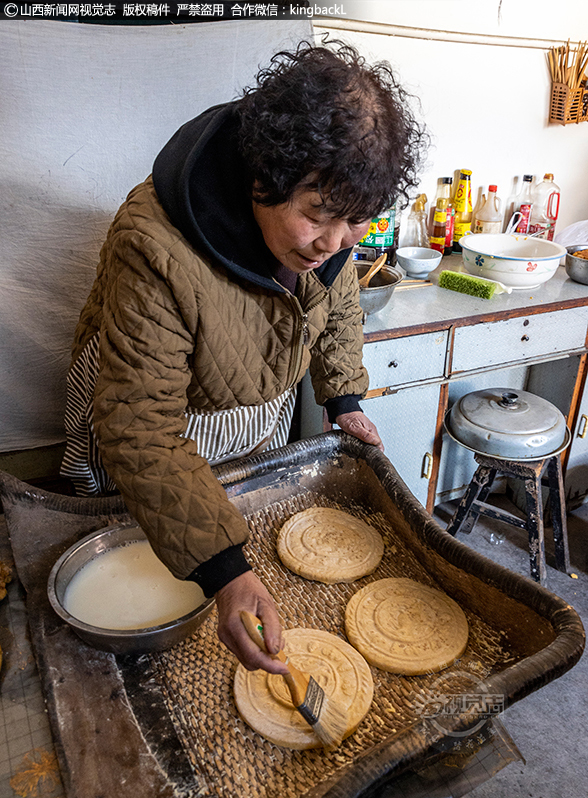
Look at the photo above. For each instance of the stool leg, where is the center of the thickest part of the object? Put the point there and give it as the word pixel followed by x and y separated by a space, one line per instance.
pixel 535 529
pixel 465 516
pixel 558 512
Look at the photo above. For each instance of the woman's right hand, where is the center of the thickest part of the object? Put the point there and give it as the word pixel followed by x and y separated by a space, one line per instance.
pixel 246 592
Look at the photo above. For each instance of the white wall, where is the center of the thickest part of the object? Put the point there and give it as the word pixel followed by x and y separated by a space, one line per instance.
pixel 85 109
pixel 486 105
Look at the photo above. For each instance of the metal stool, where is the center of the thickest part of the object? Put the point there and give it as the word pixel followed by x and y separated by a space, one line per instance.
pixel 473 504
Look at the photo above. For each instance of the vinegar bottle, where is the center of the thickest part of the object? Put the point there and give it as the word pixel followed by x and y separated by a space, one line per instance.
pixel 443 190
pixel 437 239
pixel 462 202
pixel 545 208
pixel 489 218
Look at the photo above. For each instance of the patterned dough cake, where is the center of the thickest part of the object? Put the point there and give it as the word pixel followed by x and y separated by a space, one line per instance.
pixel 264 702
pixel 329 546
pixel 405 627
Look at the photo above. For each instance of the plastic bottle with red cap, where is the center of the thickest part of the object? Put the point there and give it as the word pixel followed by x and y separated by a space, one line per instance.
pixel 545 208
pixel 488 218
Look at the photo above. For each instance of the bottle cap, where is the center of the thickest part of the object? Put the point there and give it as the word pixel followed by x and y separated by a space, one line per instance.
pixel 492 188
pixel 466 172
pixel 447 180
pixel 548 176
pixel 528 178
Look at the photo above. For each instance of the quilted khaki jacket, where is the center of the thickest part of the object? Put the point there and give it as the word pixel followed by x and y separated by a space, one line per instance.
pixel 177 331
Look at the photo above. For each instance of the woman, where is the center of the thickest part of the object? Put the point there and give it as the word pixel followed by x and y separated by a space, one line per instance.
pixel 224 277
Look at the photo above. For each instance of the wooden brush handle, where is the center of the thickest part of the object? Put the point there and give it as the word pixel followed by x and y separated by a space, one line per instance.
pixel 295 679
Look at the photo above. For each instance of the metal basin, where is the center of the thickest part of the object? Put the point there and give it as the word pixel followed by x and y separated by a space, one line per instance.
pixel 577 268
pixel 379 292
pixel 117 641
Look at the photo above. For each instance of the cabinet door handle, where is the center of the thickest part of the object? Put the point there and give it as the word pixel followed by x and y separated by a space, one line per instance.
pixel 427 466
pixel 525 338
pixel 393 364
pixel 583 427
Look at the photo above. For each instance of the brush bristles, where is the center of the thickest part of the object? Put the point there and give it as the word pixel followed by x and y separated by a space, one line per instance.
pixel 331 726
pixel 329 722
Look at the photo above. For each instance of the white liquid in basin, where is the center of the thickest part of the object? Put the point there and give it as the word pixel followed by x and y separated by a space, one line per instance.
pixel 129 588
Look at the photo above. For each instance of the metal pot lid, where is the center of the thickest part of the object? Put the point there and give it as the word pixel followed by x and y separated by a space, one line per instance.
pixel 504 410
pixel 506 423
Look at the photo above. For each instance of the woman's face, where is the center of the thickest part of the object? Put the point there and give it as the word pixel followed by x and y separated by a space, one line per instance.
pixel 302 234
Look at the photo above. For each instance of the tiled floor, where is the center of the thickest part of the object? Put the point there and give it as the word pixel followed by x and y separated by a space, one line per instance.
pixel 28 767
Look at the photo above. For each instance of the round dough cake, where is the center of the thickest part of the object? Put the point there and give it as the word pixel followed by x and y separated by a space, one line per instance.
pixel 405 627
pixel 329 546
pixel 264 702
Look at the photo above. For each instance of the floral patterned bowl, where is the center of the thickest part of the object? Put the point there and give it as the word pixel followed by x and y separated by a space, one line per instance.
pixel 518 261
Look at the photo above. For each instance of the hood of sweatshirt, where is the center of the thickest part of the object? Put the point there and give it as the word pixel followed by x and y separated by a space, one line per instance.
pixel 202 183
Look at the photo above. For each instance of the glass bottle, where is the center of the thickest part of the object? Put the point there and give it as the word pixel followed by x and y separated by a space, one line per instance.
pixel 524 205
pixel 416 225
pixel 437 239
pixel 462 203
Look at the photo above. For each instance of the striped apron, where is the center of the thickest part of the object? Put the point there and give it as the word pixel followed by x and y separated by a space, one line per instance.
pixel 220 436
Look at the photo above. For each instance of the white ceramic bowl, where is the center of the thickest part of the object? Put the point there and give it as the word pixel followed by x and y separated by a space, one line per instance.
pixel 418 261
pixel 516 260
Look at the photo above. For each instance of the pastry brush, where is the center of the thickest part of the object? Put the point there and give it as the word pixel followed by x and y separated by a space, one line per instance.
pixel 328 721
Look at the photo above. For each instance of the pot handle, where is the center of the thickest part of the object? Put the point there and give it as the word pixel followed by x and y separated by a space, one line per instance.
pixel 509 399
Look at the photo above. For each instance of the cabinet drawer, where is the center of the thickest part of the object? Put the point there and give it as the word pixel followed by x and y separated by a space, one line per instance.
pixel 512 340
pixel 404 360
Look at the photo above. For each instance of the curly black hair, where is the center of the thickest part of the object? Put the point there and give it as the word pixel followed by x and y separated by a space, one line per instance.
pixel 324 119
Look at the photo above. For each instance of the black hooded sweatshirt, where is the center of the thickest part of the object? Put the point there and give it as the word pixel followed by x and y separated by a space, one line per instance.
pixel 202 182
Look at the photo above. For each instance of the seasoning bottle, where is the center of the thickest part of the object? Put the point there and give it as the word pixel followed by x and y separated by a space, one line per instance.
pixel 489 218
pixel 416 225
pixel 545 208
pixel 443 190
pixel 449 227
pixel 524 205
pixel 437 239
pixel 382 236
pixel 462 202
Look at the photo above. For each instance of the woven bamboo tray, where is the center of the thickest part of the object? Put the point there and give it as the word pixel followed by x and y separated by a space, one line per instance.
pixel 167 721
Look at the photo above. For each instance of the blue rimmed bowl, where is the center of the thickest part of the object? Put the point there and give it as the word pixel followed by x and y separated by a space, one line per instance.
pixel 517 261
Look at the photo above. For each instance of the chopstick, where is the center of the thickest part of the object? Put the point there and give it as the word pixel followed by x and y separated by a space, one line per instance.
pixel 570 72
pixel 413 284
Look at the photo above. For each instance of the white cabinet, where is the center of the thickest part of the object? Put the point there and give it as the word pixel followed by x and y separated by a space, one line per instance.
pixel 401 361
pixel 406 422
pixel 576 477
pixel 523 338
pixel 558 383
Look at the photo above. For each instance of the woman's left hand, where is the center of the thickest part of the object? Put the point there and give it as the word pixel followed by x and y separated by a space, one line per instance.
pixel 359 425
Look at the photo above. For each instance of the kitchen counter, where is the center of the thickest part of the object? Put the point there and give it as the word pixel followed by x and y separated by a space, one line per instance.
pixel 412 311
pixel 430 346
